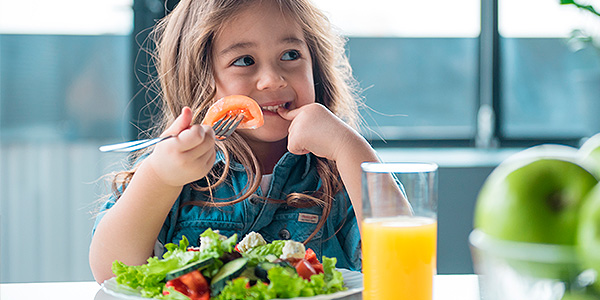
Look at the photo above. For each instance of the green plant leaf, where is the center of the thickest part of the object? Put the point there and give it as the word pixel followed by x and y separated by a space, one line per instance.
pixel 581 6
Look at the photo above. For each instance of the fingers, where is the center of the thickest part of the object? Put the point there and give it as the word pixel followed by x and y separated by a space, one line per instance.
pixel 195 136
pixel 294 144
pixel 288 114
pixel 183 121
pixel 198 146
pixel 188 137
pixel 188 156
pixel 295 149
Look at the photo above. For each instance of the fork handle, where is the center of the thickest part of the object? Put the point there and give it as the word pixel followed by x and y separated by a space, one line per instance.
pixel 133 145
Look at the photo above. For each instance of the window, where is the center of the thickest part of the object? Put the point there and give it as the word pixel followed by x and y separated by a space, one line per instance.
pixel 84 17
pixel 431 77
pixel 417 64
pixel 65 86
pixel 64 69
pixel 549 86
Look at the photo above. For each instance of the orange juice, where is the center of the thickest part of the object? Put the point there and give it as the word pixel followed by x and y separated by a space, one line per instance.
pixel 399 258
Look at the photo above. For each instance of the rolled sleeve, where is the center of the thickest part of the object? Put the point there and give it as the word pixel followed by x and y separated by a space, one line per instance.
pixel 107 205
pixel 349 237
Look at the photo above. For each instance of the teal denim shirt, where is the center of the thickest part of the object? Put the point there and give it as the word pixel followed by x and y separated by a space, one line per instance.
pixel 339 237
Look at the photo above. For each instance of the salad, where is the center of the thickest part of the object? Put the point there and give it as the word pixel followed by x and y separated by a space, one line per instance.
pixel 222 268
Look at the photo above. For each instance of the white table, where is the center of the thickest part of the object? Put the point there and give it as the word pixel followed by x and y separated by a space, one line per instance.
pixel 446 287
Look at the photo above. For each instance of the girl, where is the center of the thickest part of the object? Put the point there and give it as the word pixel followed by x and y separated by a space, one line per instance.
pixel 296 177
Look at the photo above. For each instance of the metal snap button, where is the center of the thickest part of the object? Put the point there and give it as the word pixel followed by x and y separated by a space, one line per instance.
pixel 284 234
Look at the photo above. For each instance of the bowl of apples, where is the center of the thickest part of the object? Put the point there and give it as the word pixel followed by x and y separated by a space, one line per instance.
pixel 537 228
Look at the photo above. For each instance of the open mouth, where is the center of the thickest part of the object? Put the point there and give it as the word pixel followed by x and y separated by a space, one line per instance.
pixel 273 108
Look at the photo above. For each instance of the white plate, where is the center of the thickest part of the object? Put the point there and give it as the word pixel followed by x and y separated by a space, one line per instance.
pixel 352 280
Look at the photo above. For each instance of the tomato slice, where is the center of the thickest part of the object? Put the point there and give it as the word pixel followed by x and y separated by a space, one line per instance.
pixel 305 269
pixel 236 104
pixel 318 268
pixel 311 256
pixel 192 284
pixel 309 265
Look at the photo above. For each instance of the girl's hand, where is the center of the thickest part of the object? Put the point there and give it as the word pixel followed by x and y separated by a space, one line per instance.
pixel 316 129
pixel 186 157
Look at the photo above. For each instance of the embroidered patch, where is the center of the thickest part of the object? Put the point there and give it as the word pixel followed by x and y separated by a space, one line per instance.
pixel 308 218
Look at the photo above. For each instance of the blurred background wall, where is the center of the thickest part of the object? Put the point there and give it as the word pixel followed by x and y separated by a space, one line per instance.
pixel 461 83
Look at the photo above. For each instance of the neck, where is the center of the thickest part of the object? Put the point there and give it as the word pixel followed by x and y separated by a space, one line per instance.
pixel 268 153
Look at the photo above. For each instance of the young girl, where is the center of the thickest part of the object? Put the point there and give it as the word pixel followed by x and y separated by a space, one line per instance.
pixel 296 177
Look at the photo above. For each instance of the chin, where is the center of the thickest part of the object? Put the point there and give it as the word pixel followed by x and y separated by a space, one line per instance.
pixel 259 135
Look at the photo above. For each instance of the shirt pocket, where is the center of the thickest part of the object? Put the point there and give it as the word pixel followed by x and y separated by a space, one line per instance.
pixel 193 229
pixel 193 221
pixel 296 225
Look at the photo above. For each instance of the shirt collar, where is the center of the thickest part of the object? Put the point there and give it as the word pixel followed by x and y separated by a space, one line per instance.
pixel 287 159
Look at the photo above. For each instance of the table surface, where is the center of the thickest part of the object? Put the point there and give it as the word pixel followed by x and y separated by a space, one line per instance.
pixel 446 287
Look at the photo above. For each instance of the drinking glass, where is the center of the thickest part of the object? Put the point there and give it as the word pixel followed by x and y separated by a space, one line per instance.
pixel 399 230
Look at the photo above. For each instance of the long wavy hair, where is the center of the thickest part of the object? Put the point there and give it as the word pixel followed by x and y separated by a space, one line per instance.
pixel 184 64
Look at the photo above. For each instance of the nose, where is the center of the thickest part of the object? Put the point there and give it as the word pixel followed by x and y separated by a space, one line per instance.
pixel 270 77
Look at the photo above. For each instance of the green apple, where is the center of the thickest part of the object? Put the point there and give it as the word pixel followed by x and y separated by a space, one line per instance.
pixel 570 296
pixel 534 197
pixel 544 151
pixel 589 154
pixel 588 234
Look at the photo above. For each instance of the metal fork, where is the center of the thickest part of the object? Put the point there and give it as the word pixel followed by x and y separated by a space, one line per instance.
pixel 223 128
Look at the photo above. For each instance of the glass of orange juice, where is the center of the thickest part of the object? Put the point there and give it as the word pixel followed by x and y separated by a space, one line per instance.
pixel 399 230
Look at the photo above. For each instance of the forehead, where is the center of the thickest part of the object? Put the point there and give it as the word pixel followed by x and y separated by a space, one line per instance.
pixel 259 21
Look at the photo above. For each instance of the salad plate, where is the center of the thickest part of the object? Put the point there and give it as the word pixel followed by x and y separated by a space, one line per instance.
pixel 286 268
pixel 353 280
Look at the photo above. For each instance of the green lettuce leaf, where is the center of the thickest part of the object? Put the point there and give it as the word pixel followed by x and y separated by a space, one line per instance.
pixel 286 284
pixel 334 281
pixel 274 248
pixel 239 289
pixel 149 278
pixel 217 247
pixel 173 295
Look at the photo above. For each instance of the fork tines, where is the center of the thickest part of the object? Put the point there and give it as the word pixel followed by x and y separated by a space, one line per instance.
pixel 226 126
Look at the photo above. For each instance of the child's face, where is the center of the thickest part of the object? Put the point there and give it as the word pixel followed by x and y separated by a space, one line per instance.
pixel 262 54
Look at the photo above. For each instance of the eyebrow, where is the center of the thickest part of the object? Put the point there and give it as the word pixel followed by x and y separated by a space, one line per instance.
pixel 237 46
pixel 246 45
pixel 293 40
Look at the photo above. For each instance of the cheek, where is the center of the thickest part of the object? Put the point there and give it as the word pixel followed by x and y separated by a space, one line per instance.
pixel 302 82
pixel 307 92
pixel 228 86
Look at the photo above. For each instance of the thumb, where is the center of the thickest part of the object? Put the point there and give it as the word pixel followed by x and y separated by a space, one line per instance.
pixel 182 122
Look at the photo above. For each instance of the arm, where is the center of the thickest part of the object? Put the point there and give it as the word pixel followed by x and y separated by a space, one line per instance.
pixel 315 129
pixel 129 229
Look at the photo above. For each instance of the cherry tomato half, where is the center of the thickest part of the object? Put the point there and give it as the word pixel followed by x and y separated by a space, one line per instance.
pixel 305 269
pixel 311 256
pixel 192 284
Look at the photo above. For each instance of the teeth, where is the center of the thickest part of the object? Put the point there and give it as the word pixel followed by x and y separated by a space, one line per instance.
pixel 273 108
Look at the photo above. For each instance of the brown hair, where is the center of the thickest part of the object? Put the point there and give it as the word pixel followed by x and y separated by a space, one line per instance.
pixel 183 60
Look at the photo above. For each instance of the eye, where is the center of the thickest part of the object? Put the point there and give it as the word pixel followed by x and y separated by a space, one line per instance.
pixel 243 61
pixel 291 55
